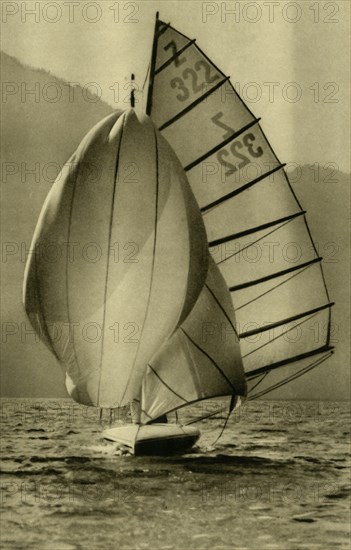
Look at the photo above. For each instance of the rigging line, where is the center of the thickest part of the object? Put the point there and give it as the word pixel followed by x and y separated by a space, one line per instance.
pixel 210 358
pixel 108 257
pixel 294 376
pixel 175 56
pixel 166 385
pixel 273 288
pixel 231 407
pixel 222 308
pixel 264 328
pixel 280 335
pixel 207 207
pixel 157 185
pixel 273 275
pixel 197 400
pixel 199 418
pixel 291 378
pixel 283 362
pixel 259 382
pixel 255 229
pixel 191 106
pixel 147 74
pixel 222 144
pixel 255 242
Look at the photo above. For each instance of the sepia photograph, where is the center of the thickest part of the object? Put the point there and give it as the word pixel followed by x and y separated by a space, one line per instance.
pixel 175 275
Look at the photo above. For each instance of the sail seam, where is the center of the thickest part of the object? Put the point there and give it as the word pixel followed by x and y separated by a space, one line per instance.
pixel 152 265
pixel 192 105
pixel 255 229
pixel 255 242
pixel 273 288
pixel 175 56
pixel 222 144
pixel 222 309
pixel 209 357
pixel 280 335
pixel 235 192
pixel 108 258
pixel 166 385
pixel 274 275
pixel 287 361
pixel 284 321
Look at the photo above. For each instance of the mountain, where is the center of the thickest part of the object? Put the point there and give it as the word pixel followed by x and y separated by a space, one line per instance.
pixel 39 133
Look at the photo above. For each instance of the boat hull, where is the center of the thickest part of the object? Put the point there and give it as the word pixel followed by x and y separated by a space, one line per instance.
pixel 154 439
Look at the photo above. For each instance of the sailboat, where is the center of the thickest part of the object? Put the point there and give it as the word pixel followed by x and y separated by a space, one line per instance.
pixel 220 286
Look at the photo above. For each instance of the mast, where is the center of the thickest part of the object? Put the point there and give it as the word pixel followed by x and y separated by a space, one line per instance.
pixel 152 66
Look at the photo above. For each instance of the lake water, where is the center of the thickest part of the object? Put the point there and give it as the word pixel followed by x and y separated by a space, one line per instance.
pixel 277 479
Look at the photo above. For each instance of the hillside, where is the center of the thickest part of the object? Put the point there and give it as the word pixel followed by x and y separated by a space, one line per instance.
pixel 36 134
pixel 40 134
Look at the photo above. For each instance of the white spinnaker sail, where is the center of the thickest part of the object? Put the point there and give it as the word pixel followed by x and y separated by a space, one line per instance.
pixel 105 318
pixel 256 228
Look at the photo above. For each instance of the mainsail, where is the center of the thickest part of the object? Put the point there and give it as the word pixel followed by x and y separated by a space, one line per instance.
pixel 256 228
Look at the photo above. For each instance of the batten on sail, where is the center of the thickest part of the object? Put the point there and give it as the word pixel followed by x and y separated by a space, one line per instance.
pixel 256 228
pixel 202 358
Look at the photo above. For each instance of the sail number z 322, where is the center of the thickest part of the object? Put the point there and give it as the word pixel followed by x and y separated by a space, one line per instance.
pixel 197 80
pixel 239 149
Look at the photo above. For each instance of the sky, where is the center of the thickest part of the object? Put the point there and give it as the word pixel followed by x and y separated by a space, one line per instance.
pixel 289 60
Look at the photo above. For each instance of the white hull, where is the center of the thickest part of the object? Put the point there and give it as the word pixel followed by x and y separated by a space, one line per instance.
pixel 154 439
